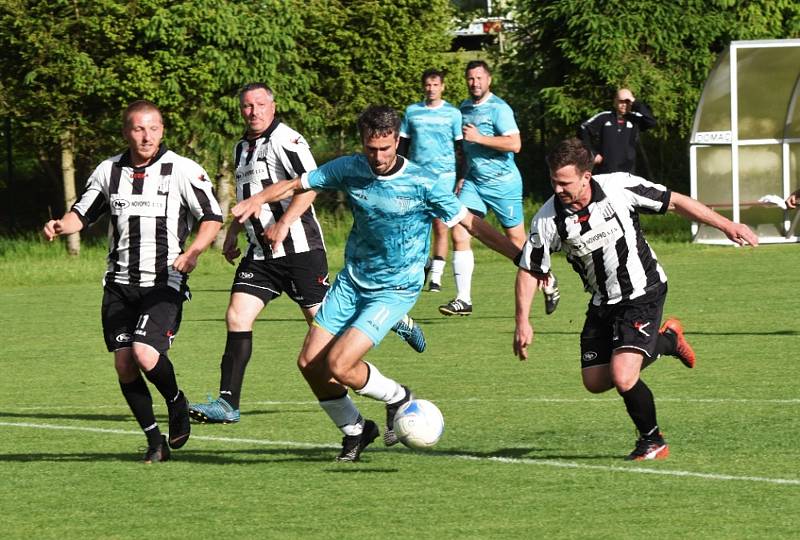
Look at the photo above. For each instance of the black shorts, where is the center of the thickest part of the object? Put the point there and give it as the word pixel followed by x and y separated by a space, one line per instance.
pixel 633 324
pixel 302 276
pixel 149 315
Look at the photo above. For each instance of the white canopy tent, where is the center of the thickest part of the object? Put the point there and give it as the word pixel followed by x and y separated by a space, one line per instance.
pixel 745 143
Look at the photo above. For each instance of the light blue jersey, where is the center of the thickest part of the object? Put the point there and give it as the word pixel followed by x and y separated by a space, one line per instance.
pixel 388 244
pixel 432 131
pixel 492 117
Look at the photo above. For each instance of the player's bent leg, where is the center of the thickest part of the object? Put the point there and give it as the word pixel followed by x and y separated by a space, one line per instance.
pixel 243 309
pixel 626 365
pixel 463 267
pixel 140 401
pixel 410 332
pixel 550 290
pixel 552 295
pixel 345 358
pixel 313 364
pixel 333 398
pixel 675 342
pixel 161 374
pixel 439 251
pixel 597 379
pixel 214 411
pixel 353 445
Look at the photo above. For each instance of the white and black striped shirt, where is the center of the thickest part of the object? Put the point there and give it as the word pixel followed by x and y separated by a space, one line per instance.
pixel 280 153
pixel 603 241
pixel 152 211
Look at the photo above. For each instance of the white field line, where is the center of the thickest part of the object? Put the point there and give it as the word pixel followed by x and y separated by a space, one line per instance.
pixel 261 442
pixel 615 399
pixel 494 459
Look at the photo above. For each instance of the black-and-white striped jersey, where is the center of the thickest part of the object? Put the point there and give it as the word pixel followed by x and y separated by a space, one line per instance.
pixel 152 211
pixel 280 153
pixel 603 241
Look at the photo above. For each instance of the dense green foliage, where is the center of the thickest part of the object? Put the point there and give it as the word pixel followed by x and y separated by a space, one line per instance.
pixel 527 452
pixel 72 65
pixel 569 56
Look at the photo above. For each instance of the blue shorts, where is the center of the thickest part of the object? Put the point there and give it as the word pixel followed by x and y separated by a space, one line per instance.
pixel 374 312
pixel 503 198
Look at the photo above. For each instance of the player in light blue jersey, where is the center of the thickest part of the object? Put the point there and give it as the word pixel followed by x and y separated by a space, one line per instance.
pixel 430 135
pixel 393 202
pixel 491 181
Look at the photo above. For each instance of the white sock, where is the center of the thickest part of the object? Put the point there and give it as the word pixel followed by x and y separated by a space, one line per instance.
pixel 381 388
pixel 463 265
pixel 437 269
pixel 344 414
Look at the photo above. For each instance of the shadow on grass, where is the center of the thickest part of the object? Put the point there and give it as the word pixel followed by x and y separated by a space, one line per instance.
pixel 68 416
pixel 128 417
pixel 216 457
pixel 529 454
pixel 254 456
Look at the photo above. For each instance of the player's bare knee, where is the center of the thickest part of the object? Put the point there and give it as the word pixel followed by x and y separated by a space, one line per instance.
pixel 624 382
pixel 238 321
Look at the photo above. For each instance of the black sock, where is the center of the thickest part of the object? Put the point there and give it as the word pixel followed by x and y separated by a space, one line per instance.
pixel 667 344
pixel 238 348
pixel 641 408
pixel 163 378
pixel 438 258
pixel 140 402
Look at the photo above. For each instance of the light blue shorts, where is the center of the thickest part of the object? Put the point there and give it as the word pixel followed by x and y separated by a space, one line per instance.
pixel 374 312
pixel 503 198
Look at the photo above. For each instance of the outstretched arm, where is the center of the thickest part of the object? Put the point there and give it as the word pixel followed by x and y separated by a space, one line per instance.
pixel 697 211
pixel 277 191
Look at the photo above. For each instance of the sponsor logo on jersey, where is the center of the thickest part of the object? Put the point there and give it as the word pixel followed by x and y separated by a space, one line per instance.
pixel 120 203
pixel 123 338
pixel 588 356
pixel 246 275
pixel 640 326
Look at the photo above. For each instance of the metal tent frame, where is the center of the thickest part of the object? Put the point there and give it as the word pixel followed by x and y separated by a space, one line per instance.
pixel 745 144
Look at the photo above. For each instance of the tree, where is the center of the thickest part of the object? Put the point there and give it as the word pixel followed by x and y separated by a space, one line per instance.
pixel 70 67
pixel 569 56
pixel 365 52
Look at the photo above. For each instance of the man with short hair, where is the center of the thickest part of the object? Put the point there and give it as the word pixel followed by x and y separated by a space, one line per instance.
pixel 154 197
pixel 393 201
pixel 430 136
pixel 612 136
pixel 594 220
pixel 491 181
pixel 269 152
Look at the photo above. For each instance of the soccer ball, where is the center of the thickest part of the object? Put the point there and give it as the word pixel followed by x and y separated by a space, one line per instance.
pixel 419 424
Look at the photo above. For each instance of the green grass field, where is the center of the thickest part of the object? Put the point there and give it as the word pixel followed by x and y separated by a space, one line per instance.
pixel 527 452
